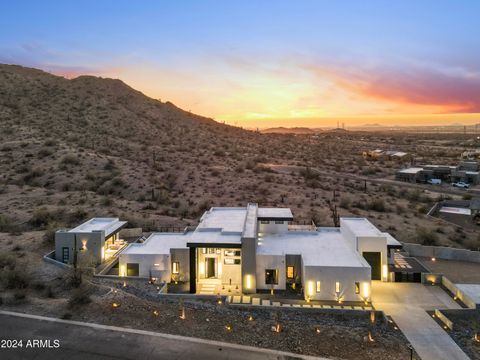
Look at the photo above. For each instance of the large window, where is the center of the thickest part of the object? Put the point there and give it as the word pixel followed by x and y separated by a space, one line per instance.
pixel 132 269
pixel 271 277
pixel 175 267
pixel 290 272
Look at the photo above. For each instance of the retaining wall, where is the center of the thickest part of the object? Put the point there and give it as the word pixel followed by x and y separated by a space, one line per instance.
pixel 441 252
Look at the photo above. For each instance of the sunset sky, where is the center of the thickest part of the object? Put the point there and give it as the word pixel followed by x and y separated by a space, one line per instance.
pixel 266 63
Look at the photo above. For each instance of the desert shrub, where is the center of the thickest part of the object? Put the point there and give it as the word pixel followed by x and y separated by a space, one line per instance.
pixel 41 217
pixel 345 202
pixel 7 261
pixel 44 152
pixel 15 279
pixel 79 296
pixel 6 223
pixel 377 205
pixel 32 175
pixel 50 142
pixel 49 234
pixel 106 201
pixel 70 159
pixel 426 236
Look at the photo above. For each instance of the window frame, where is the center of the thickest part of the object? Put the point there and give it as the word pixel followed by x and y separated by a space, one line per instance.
pixel 288 272
pixel 67 253
pixel 274 277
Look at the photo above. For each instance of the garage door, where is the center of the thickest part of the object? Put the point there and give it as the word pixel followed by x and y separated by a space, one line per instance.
pixel 374 259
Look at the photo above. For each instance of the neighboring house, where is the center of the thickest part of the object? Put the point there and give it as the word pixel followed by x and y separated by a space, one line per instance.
pixel 379 154
pixel 466 171
pixel 96 240
pixel 252 249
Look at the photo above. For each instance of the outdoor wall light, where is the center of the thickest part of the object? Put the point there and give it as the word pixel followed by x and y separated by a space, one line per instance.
pixel 248 281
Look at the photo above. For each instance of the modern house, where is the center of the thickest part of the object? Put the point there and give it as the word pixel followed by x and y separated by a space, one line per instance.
pixel 95 241
pixel 467 171
pixel 254 249
pixel 379 154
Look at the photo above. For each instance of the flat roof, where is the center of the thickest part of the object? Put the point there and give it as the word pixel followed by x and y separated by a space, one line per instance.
pixel 360 226
pixel 324 247
pixel 228 219
pixel 265 213
pixel 161 243
pixel 391 241
pixel 109 225
pixel 412 170
pixel 456 210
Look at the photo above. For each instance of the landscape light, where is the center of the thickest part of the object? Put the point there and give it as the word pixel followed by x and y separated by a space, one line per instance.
pixel 115 305
pixel 433 259
pixel 370 337
pixel 155 312
pixel 228 327
pixel 317 330
pixel 250 318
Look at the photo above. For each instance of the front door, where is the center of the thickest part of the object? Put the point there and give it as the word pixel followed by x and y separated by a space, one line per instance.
pixel 210 271
pixel 374 259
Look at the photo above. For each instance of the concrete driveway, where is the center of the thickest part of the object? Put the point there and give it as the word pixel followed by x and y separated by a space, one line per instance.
pixel 407 303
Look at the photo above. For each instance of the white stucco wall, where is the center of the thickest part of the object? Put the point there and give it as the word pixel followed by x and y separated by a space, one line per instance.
pixel 265 262
pixel 328 276
pixel 146 264
pixel 272 227
pixel 374 244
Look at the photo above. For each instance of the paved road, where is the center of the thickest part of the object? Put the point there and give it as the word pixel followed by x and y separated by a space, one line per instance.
pixel 406 304
pixel 84 341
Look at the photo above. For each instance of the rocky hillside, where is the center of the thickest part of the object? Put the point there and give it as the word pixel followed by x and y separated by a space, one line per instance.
pixel 72 149
pixel 92 141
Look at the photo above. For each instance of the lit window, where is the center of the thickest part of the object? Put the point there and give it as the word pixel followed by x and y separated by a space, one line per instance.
pixel 175 267
pixel 337 287
pixel 318 286
pixel 357 288
pixel 290 272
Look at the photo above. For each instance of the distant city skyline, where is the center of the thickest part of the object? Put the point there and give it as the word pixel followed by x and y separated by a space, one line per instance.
pixel 266 63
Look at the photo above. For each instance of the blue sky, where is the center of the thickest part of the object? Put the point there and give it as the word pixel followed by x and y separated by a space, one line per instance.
pixel 264 62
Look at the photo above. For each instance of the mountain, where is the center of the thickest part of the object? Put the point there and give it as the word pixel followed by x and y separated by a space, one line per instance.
pixel 283 130
pixel 102 148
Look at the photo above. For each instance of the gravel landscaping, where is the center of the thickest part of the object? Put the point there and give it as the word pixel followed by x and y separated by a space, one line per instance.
pixel 466 323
